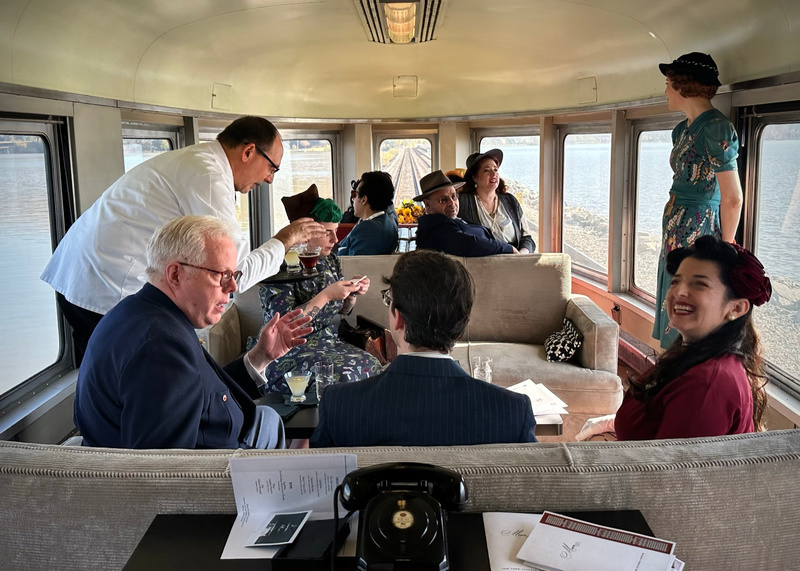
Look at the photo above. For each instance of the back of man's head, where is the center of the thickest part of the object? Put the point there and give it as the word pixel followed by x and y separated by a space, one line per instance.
pixel 249 129
pixel 183 239
pixel 378 188
pixel 434 294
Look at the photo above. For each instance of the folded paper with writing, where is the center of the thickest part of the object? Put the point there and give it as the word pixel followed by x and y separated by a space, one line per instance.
pixel 543 401
pixel 560 543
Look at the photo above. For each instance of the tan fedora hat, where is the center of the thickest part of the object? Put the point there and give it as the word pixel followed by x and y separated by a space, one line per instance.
pixel 430 183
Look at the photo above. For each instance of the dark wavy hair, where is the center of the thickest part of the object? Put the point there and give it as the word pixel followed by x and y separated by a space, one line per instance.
pixel 434 294
pixel 378 188
pixel 470 187
pixel 688 86
pixel 738 337
pixel 249 129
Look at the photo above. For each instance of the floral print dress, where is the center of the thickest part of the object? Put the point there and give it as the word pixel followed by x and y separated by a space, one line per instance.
pixel 349 362
pixel 700 150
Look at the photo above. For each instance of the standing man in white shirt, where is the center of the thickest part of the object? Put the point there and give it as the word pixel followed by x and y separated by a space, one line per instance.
pixel 101 259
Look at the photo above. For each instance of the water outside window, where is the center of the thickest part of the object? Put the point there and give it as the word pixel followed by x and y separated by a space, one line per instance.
pixel 29 328
pixel 587 168
pixel 778 244
pixel 305 162
pixel 520 172
pixel 653 181
pixel 137 151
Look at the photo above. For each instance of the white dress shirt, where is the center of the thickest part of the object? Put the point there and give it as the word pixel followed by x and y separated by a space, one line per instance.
pixel 102 259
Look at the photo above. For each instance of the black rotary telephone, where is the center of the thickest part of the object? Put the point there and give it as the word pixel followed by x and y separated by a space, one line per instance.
pixel 402 524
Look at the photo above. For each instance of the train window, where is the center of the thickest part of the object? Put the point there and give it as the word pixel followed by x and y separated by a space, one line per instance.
pixel 30 326
pixel 778 241
pixel 653 181
pixel 520 171
pixel 407 160
pixel 305 162
pixel 137 151
pixel 586 180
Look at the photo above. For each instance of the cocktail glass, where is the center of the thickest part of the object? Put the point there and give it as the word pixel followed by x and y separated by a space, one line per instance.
pixel 292 260
pixel 298 382
pixel 309 255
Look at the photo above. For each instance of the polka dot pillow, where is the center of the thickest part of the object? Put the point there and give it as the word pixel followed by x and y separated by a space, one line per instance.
pixel 561 345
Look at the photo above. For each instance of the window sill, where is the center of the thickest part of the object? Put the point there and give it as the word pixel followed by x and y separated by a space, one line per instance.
pixel 15 419
pixel 784 404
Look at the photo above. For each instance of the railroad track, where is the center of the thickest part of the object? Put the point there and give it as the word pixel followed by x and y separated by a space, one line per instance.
pixel 406 169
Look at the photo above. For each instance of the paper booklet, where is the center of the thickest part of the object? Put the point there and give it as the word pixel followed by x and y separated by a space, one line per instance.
pixel 275 488
pixel 560 543
pixel 543 401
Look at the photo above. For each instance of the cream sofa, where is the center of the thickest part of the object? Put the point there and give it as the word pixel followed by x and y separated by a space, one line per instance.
pixel 728 502
pixel 520 301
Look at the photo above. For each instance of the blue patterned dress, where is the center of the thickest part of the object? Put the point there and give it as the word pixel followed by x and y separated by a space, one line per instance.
pixel 708 146
pixel 349 362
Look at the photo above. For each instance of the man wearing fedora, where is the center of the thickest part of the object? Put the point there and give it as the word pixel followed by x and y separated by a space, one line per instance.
pixel 441 229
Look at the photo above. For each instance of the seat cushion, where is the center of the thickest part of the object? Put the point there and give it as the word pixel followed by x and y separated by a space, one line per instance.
pixel 584 390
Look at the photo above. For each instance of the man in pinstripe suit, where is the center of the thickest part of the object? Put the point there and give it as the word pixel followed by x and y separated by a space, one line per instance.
pixel 424 398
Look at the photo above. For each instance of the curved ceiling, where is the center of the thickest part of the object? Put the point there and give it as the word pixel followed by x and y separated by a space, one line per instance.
pixel 311 58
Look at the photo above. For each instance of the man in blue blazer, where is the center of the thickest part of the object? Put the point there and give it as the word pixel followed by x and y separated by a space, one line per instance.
pixel 440 228
pixel 424 398
pixel 147 382
pixel 376 231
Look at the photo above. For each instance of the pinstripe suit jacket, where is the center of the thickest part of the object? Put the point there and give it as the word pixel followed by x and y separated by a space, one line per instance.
pixel 420 401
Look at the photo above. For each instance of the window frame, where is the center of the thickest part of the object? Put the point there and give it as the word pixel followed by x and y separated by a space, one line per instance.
pixel 562 132
pixel 32 392
pixel 635 129
pixel 755 120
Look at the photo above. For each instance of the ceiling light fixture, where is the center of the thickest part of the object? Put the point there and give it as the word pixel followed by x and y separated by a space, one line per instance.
pixel 395 22
pixel 401 21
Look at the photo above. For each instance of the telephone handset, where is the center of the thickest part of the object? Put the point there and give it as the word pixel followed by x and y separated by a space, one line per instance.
pixel 402 525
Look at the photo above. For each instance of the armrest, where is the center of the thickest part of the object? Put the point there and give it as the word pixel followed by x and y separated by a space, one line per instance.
pixel 225 341
pixel 600 334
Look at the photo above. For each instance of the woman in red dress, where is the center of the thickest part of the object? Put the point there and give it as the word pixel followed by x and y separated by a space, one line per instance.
pixel 712 383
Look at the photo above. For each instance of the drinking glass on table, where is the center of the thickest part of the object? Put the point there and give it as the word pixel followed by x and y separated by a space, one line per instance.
pixel 292 260
pixel 482 368
pixel 308 257
pixel 298 382
pixel 323 375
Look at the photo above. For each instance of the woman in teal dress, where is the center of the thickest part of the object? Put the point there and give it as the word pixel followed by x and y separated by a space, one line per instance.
pixel 706 195
pixel 325 297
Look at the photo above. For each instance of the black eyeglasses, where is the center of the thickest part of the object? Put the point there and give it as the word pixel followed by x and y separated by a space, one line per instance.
pixel 387 299
pixel 224 277
pixel 275 168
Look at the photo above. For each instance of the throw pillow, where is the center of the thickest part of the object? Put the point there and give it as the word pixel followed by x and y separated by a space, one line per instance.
pixel 561 345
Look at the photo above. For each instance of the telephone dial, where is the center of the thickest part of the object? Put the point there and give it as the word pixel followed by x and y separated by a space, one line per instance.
pixel 402 524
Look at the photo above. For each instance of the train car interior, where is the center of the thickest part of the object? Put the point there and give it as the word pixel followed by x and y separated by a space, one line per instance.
pixel 570 91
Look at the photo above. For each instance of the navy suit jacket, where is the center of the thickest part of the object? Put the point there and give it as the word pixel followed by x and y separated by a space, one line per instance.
pixel 456 237
pixel 370 238
pixel 146 382
pixel 421 401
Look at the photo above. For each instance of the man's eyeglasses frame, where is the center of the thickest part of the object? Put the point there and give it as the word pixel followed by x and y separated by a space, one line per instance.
pixel 275 168
pixel 225 277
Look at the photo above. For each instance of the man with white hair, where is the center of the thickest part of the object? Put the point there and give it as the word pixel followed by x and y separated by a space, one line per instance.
pixel 147 382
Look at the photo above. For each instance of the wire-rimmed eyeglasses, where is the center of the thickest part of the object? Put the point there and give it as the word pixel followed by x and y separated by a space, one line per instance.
pixel 387 299
pixel 225 277
pixel 275 168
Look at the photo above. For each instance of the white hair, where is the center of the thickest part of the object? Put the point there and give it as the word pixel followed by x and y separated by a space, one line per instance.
pixel 183 239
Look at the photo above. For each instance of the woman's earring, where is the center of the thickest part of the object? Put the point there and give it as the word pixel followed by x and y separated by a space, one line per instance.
pixel 731 317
